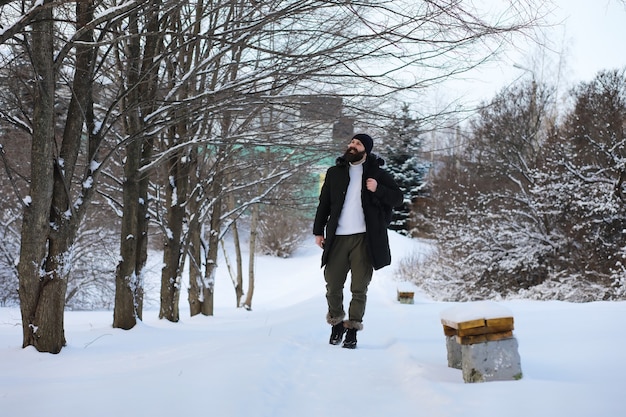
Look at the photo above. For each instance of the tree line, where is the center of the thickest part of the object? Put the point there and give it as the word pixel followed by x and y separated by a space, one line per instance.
pixel 172 118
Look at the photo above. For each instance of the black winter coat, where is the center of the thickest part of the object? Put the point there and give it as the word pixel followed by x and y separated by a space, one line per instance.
pixel 377 207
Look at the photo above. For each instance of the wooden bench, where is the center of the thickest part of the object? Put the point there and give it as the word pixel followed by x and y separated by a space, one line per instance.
pixel 480 342
pixel 406 297
pixel 406 293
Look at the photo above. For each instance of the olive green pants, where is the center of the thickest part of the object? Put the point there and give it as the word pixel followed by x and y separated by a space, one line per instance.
pixel 348 254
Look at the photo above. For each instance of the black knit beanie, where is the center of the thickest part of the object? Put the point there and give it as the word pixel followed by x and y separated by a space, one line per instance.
pixel 366 140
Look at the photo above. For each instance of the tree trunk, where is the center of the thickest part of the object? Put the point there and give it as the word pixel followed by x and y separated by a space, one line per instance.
pixel 195 238
pixel 42 315
pixel 142 75
pixel 59 260
pixel 175 199
pixel 128 286
pixel 238 279
pixel 134 239
pixel 195 263
pixel 239 264
pixel 201 287
pixel 254 226
pixel 211 259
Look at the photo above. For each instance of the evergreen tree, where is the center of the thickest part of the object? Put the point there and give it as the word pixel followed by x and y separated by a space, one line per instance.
pixel 403 146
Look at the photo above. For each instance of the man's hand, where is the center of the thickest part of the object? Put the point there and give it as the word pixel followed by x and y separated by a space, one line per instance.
pixel 371 184
pixel 319 241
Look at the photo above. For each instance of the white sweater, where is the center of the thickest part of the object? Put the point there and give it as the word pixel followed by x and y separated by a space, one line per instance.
pixel 352 219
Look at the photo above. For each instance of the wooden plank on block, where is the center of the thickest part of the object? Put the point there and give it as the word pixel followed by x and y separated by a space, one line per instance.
pixel 481 338
pixel 502 321
pixel 485 330
pixel 470 324
pixel 499 336
pixel 449 331
pixel 465 324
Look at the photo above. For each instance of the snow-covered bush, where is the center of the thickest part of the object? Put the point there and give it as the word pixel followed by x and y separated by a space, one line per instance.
pixel 91 282
pixel 515 222
pixel 282 231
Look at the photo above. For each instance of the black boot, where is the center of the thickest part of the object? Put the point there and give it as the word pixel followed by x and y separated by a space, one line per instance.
pixel 350 342
pixel 337 334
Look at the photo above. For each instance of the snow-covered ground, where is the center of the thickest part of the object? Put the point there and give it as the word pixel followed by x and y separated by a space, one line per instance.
pixel 275 361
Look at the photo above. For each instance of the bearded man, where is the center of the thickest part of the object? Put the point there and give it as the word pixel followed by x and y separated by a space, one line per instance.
pixel 350 225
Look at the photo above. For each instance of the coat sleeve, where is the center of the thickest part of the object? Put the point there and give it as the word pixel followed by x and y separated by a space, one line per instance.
pixel 323 209
pixel 388 192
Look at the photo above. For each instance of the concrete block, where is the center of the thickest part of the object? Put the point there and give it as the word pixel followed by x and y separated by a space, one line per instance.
pixel 491 361
pixel 454 352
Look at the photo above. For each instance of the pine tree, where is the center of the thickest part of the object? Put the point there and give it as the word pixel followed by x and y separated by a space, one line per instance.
pixel 403 147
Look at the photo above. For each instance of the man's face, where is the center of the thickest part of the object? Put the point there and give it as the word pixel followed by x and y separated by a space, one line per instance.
pixel 355 151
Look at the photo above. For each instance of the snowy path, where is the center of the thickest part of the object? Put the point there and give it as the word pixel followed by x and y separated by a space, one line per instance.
pixel 275 361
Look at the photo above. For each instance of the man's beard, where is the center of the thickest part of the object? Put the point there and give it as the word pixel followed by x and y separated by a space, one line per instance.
pixel 353 157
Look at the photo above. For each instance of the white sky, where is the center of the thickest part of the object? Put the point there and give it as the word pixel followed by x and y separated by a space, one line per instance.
pixel 595 32
pixel 587 36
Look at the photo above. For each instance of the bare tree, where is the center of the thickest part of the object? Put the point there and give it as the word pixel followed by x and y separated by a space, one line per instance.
pixel 137 57
pixel 66 155
pixel 41 296
pixel 246 57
